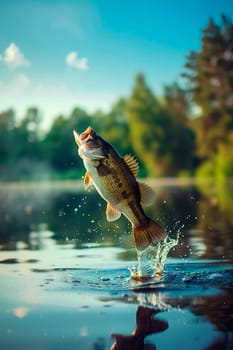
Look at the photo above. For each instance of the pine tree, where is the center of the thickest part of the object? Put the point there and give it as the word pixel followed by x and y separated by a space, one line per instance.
pixel 210 76
pixel 160 134
pixel 142 108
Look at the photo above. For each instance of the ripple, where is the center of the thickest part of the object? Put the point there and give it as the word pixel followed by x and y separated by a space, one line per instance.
pixel 191 278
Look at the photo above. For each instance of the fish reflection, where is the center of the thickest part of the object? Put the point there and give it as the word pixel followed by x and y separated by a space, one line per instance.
pixel 146 324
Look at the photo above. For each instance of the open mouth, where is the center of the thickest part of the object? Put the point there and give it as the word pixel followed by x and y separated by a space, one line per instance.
pixel 84 137
pixel 77 138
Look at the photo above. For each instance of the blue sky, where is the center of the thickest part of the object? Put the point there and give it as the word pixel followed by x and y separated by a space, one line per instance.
pixel 59 54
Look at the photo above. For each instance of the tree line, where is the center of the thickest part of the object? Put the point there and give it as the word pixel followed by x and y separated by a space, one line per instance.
pixel 162 131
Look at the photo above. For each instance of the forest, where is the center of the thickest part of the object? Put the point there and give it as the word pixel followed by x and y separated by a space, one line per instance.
pixel 186 131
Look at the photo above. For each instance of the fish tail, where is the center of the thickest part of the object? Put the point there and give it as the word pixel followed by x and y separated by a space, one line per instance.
pixel 147 233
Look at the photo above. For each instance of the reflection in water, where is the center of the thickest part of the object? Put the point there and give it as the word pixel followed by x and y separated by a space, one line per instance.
pixel 205 221
pixel 216 221
pixel 86 305
pixel 218 310
pixel 71 216
pixel 146 324
pixel 42 228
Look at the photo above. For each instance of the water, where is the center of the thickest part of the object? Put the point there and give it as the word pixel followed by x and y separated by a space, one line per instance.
pixel 151 261
pixel 66 274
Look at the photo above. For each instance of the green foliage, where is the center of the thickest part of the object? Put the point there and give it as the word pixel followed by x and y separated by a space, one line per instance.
pixel 160 133
pixel 59 145
pixel 142 109
pixel 224 162
pixel 20 145
pixel 114 126
pixel 157 133
pixel 28 135
pixel 210 76
pixel 7 124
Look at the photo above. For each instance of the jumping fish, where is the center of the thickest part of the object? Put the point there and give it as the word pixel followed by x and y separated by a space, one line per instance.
pixel 114 178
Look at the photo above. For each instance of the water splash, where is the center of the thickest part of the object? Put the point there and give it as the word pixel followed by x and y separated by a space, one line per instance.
pixel 159 254
pixel 152 260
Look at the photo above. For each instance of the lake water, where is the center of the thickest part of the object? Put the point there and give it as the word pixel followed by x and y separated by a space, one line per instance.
pixel 66 280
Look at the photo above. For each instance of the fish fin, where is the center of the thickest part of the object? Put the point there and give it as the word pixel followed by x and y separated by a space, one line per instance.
pixel 132 163
pixel 147 194
pixel 150 232
pixel 112 213
pixel 87 180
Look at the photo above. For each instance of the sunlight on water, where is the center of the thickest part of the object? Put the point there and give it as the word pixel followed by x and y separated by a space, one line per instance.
pixel 151 261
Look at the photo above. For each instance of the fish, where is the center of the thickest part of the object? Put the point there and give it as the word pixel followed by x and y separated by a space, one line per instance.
pixel 114 178
pixel 146 324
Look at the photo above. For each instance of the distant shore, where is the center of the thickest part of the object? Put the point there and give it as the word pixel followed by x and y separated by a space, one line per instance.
pixel 78 184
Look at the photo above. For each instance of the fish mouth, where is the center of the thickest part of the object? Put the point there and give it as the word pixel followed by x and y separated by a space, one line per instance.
pixel 77 137
pixel 83 137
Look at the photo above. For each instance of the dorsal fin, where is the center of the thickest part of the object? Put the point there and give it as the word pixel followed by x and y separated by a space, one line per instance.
pixel 131 163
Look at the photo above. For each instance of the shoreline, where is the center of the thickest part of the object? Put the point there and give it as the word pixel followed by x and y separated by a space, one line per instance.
pixel 78 184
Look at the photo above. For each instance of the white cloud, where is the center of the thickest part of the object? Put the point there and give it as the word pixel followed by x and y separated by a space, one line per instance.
pixel 14 58
pixel 74 61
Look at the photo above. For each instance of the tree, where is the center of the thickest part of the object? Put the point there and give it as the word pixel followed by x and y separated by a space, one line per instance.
pixel 7 141
pixel 114 126
pixel 59 142
pixel 27 135
pixel 209 73
pixel 176 103
pixel 20 145
pixel 142 107
pixel 181 143
pixel 160 133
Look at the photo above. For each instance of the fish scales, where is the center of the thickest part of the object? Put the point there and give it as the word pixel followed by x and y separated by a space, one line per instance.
pixel 114 179
pixel 116 184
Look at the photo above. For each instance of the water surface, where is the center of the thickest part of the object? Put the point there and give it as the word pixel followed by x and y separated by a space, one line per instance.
pixel 65 272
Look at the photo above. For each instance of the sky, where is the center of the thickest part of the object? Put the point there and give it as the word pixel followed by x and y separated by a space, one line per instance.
pixel 57 54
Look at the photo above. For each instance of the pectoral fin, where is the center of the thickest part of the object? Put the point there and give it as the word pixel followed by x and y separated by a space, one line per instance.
pixel 112 213
pixel 147 194
pixel 87 180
